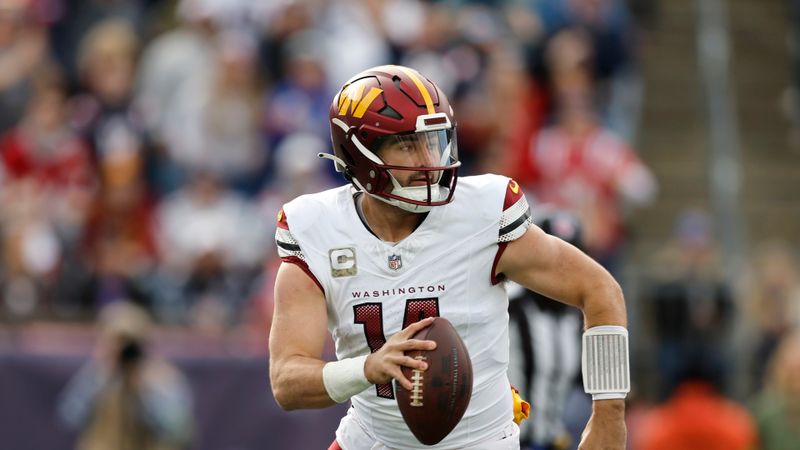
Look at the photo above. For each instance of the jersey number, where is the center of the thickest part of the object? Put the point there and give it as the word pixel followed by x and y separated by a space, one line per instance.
pixel 371 316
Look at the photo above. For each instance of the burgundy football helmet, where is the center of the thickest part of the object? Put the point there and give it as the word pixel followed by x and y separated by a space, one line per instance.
pixel 395 107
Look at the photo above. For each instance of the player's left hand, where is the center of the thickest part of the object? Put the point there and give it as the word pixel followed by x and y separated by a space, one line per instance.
pixel 606 428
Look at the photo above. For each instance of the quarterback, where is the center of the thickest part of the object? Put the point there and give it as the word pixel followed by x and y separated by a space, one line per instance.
pixel 407 240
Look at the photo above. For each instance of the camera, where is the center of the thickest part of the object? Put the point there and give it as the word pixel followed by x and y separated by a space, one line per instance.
pixel 130 353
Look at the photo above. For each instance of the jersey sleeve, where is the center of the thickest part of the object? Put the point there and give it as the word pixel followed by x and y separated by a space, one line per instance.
pixel 288 248
pixel 516 216
pixel 284 241
pixel 514 222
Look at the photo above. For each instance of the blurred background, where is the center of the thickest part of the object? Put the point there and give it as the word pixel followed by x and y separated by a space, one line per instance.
pixel 146 146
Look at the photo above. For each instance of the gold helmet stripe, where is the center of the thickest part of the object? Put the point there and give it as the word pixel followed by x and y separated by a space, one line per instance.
pixel 425 94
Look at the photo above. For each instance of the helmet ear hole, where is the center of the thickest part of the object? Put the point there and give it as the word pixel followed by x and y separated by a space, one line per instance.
pixel 346 156
pixel 348 174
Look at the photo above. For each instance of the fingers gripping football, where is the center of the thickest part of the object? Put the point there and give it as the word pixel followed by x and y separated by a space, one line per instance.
pixel 385 364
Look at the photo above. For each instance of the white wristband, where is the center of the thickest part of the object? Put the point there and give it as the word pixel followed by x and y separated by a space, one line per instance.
pixel 605 364
pixel 344 379
pixel 610 396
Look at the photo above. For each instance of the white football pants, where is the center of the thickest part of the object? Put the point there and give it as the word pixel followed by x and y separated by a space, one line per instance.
pixel 352 435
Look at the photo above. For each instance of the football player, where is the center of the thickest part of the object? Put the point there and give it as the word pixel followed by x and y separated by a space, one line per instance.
pixel 374 260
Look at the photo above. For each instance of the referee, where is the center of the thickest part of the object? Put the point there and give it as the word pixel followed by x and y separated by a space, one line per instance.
pixel 545 357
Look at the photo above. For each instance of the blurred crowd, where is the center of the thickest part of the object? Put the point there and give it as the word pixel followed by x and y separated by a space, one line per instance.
pixel 146 146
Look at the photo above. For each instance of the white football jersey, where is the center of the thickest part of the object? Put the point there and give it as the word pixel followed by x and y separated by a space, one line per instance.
pixel 444 268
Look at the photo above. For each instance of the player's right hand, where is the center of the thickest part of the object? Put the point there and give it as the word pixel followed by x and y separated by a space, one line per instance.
pixel 385 364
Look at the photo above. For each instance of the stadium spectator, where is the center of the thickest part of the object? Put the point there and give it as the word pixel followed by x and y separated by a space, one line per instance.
pixel 691 309
pixel 71 21
pixel 44 196
pixel 773 304
pixel 214 123
pixel 23 48
pixel 104 110
pixel 174 59
pixel 432 44
pixel 777 406
pixel 612 38
pixel 279 23
pixel 212 249
pixel 697 416
pixel 126 397
pixel 119 241
pixel 298 101
pixel 352 24
pixel 579 165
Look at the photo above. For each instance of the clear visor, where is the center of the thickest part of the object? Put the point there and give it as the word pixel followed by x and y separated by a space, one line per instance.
pixel 424 151
pixel 418 170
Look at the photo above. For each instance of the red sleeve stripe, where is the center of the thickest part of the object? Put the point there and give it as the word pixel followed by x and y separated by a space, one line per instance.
pixel 513 194
pixel 282 223
pixel 498 277
pixel 304 267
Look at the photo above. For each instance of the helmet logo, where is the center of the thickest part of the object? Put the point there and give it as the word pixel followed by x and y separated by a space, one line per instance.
pixel 395 263
pixel 351 98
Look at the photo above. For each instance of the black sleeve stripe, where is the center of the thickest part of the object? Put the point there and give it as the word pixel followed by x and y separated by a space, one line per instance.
pixel 288 247
pixel 513 225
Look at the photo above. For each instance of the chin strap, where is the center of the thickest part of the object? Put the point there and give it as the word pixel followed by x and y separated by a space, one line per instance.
pixel 342 167
pixel 410 207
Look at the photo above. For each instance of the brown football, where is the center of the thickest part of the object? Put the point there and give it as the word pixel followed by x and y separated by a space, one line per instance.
pixel 441 393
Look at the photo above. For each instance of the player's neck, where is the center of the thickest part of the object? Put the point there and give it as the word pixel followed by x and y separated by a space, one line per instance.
pixel 389 223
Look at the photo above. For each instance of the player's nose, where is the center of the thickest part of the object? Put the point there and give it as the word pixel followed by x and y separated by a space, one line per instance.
pixel 424 158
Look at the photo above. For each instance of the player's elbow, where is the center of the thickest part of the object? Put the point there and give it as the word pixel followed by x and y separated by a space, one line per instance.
pixel 617 298
pixel 280 389
pixel 282 399
pixel 614 303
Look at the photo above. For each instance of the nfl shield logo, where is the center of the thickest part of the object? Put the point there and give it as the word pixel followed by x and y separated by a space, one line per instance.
pixel 395 263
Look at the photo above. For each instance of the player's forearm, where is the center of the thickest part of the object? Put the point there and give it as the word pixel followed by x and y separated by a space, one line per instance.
pixel 604 304
pixel 604 354
pixel 613 409
pixel 297 383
